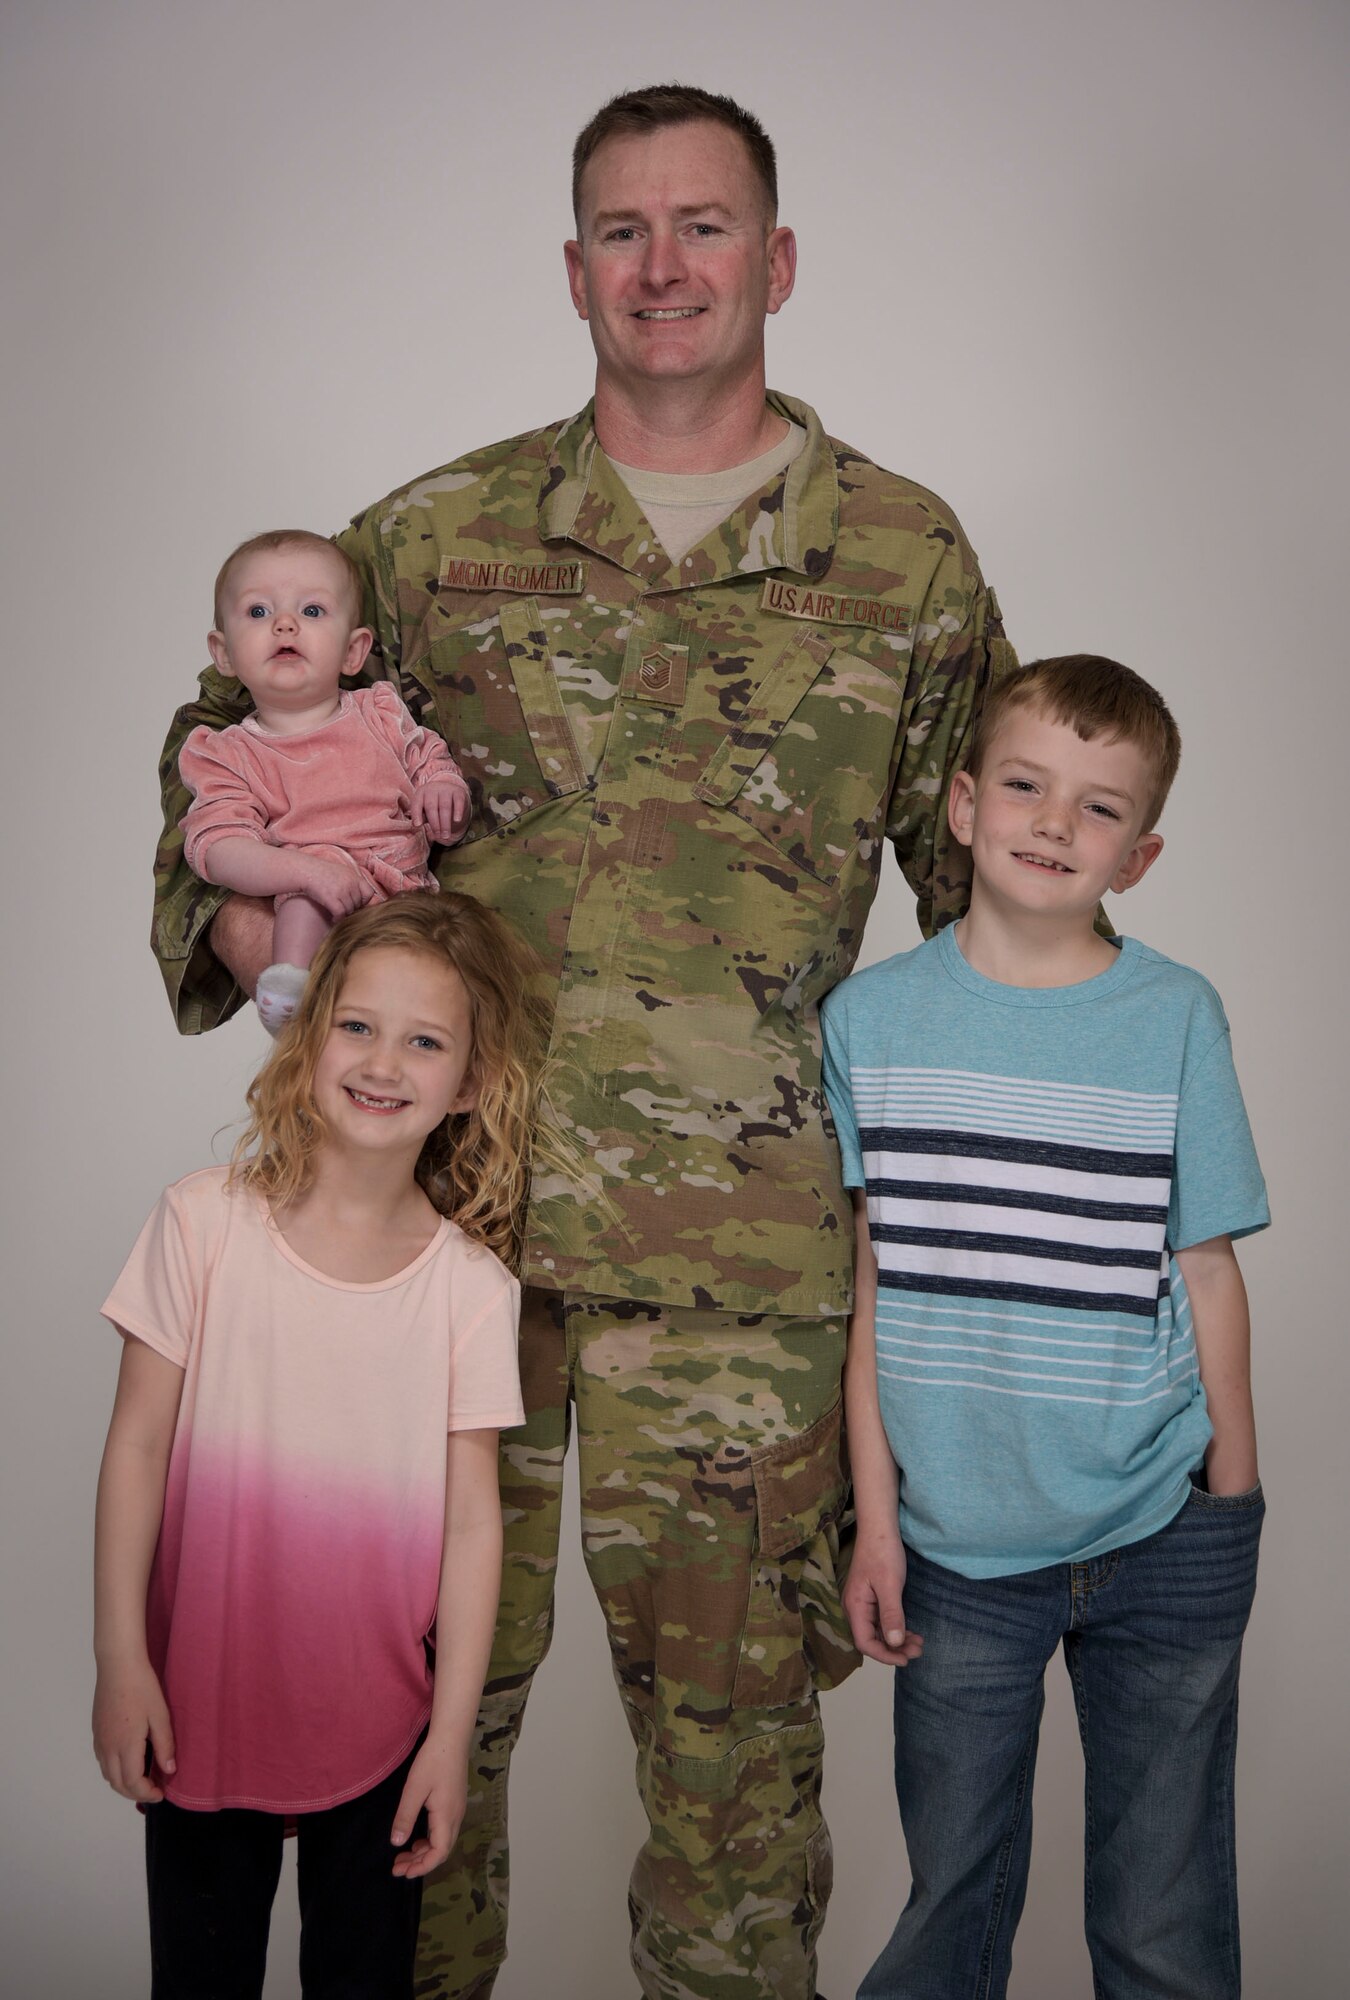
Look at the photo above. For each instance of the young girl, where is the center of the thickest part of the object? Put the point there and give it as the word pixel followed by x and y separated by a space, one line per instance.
pixel 319 1350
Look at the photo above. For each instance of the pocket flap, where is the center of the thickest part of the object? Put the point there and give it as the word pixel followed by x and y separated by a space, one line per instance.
pixel 770 706
pixel 799 1483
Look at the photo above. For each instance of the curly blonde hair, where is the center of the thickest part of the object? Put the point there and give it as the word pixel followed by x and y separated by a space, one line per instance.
pixel 476 1166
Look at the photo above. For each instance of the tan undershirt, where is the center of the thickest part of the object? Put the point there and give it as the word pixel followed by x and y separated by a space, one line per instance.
pixel 683 507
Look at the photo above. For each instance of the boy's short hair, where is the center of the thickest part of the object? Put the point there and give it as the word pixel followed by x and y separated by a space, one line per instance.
pixel 645 111
pixel 1097 697
pixel 285 538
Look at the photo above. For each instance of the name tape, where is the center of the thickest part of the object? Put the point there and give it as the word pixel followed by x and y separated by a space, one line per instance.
pixel 531 579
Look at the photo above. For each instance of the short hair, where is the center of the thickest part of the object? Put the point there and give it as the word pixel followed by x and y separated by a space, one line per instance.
pixel 285 538
pixel 476 1166
pixel 640 112
pixel 1096 697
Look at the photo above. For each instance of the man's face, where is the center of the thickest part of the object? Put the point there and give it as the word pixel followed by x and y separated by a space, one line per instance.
pixel 678 262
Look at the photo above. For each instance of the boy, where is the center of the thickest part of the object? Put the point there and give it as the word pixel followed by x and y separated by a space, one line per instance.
pixel 1048 1362
pixel 321 799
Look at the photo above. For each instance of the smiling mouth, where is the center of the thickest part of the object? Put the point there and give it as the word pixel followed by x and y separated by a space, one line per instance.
pixel 669 312
pixel 1040 861
pixel 367 1103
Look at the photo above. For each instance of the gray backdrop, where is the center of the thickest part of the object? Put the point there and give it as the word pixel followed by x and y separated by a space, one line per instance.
pixel 1080 267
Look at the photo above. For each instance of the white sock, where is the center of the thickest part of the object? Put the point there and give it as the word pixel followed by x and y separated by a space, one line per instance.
pixel 279 990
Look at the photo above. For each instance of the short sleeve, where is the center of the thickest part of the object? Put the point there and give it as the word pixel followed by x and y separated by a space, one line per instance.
pixel 1217 1185
pixel 484 1370
pixel 839 1091
pixel 156 1297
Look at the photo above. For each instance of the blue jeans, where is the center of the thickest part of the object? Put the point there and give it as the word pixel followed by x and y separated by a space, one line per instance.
pixel 1152 1638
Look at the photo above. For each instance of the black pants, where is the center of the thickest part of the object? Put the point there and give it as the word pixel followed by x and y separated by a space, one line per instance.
pixel 212 1877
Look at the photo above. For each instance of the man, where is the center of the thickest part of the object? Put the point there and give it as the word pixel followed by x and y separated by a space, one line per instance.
pixel 696 659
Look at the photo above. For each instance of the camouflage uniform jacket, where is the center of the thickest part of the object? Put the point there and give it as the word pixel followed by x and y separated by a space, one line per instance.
pixel 682 776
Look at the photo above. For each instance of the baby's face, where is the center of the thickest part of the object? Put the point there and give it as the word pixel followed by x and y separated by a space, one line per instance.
pixel 288 632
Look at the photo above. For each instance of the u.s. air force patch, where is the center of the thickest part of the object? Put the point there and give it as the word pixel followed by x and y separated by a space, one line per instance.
pixel 531 579
pixel 825 607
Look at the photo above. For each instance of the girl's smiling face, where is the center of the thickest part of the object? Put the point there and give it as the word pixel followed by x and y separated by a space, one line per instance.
pixel 399 1054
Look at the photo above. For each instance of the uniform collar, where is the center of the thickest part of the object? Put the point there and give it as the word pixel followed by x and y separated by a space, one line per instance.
pixel 791 524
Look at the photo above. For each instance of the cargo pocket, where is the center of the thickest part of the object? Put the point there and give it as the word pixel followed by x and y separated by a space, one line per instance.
pixel 796 1635
pixel 808 765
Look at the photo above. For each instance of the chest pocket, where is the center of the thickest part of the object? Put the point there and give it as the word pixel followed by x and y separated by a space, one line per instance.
pixel 499 708
pixel 808 765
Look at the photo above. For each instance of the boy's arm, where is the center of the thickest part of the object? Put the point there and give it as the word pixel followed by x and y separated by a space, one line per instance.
pixel 874 1592
pixel 129 1704
pixel 1223 1343
pixel 471 1569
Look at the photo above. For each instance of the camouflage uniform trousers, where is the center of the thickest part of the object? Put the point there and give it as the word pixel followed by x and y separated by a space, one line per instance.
pixel 711 1490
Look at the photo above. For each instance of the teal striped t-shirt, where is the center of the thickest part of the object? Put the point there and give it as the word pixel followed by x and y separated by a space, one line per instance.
pixel 1032 1159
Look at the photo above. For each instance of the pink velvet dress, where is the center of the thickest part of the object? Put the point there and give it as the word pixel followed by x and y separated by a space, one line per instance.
pixel 343 791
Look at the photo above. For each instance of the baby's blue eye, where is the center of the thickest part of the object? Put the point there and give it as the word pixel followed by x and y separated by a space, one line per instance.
pixel 312 611
pixel 257 611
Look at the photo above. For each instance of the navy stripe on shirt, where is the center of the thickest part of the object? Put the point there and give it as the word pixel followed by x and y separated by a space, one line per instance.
pixel 1004 1197
pixel 1030 1295
pixel 1030 1152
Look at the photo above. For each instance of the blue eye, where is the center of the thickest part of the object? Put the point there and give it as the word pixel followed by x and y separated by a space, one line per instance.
pixel 312 611
pixel 425 1042
pixel 353 1028
pixel 256 611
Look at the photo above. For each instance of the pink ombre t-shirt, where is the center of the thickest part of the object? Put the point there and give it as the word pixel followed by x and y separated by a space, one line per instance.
pixel 299 1556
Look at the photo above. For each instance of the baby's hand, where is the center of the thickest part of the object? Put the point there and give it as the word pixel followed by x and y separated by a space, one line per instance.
pixel 438 1780
pixel 443 809
pixel 334 886
pixel 129 1709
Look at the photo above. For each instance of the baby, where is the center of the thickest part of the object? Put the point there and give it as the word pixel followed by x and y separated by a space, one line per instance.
pixel 322 799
